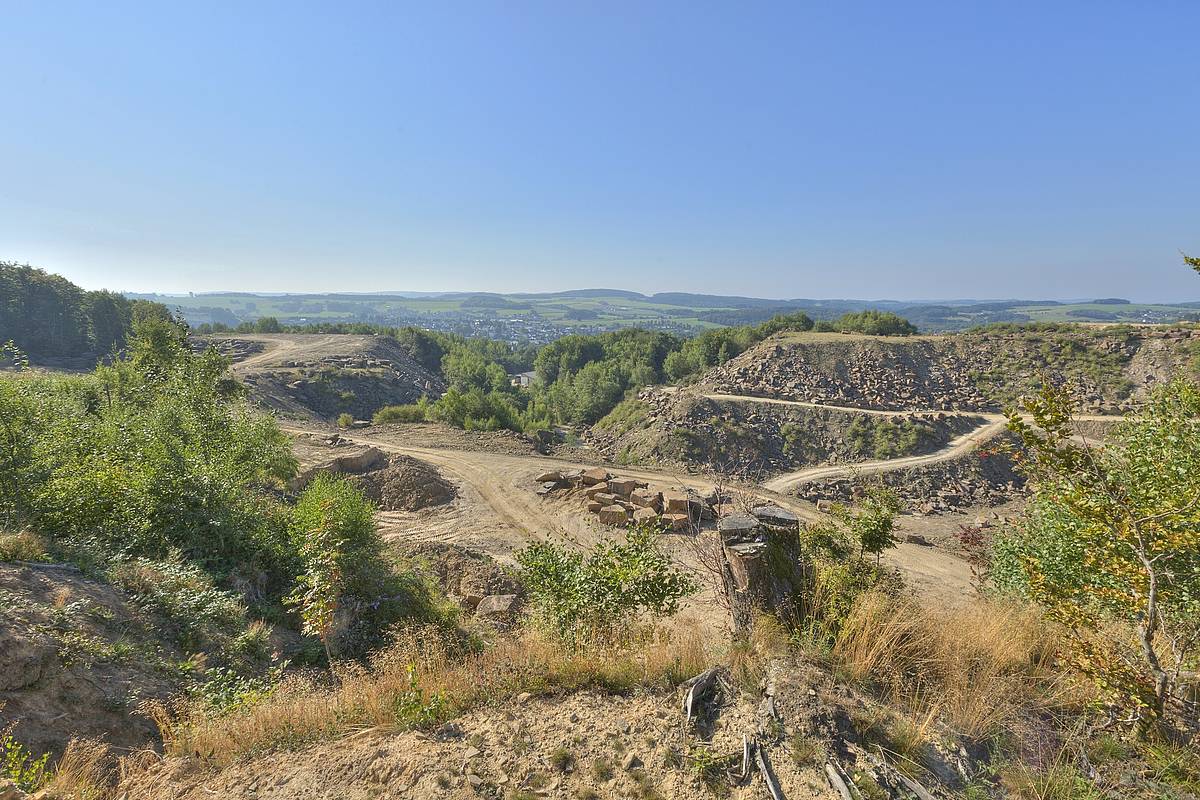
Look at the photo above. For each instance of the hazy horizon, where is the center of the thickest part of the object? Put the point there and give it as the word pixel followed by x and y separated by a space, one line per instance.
pixel 865 150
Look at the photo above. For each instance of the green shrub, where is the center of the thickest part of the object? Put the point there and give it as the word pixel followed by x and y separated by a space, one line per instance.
pixel 18 765
pixel 601 591
pixel 414 412
pixel 333 529
pixel 205 615
pixel 345 420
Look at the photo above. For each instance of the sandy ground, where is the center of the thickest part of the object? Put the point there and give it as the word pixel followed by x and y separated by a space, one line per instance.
pixel 498 512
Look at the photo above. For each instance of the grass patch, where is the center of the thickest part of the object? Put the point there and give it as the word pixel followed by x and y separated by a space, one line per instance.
pixel 421 680
pixel 981 669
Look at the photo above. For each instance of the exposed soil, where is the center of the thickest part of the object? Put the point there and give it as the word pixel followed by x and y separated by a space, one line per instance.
pixel 586 745
pixel 406 484
pixel 76 659
pixel 320 376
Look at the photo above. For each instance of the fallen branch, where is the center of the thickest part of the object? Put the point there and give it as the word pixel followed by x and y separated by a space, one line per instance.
pixel 764 766
pixel 835 780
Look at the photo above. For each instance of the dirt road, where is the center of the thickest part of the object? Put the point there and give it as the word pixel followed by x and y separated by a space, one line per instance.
pixel 498 513
pixel 992 426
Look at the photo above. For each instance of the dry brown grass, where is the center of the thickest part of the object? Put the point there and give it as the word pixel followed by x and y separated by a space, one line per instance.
pixel 422 680
pixel 22 546
pixel 84 772
pixel 981 668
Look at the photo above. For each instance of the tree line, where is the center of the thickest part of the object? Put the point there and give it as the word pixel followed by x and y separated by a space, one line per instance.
pixel 48 316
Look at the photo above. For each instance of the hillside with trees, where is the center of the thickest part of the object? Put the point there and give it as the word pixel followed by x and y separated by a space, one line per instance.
pixel 47 316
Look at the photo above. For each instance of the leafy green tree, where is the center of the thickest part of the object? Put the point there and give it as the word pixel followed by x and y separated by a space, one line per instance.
pixel 875 323
pixel 267 325
pixel 1114 534
pixel 871 525
pixel 467 369
pixel 601 591
pixel 334 530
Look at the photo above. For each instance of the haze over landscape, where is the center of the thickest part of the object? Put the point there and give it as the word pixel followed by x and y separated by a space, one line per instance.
pixel 929 150
pixel 568 401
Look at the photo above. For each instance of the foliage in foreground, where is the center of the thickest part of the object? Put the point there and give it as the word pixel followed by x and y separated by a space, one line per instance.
pixel 155 474
pixel 582 595
pixel 1112 539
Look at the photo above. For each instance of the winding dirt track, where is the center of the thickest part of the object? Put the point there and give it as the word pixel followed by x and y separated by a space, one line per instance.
pixel 504 484
pixel 992 426
pixel 958 446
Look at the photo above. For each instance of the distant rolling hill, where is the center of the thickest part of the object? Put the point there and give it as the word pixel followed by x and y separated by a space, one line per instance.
pixel 543 316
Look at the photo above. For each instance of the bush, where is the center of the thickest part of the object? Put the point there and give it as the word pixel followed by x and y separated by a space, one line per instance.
pixel 22 546
pixel 345 420
pixel 333 529
pixel 1112 538
pixel 600 592
pixel 874 323
pixel 414 412
pixel 205 616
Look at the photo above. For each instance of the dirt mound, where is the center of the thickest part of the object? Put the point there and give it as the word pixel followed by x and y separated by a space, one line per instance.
pixel 406 484
pixel 76 658
pixel 320 376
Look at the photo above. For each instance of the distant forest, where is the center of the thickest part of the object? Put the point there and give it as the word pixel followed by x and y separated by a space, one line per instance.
pixel 47 316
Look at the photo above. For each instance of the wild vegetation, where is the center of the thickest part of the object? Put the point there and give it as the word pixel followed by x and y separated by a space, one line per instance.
pixel 152 474
pixel 47 316
pixel 1112 538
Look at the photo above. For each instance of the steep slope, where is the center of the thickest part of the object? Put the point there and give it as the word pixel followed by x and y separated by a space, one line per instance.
pixel 320 376
pixel 975 371
pixel 749 437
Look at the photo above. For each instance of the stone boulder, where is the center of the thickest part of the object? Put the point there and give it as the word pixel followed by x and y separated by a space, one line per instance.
pixel 643 515
pixel 644 498
pixel 590 477
pixel 677 522
pixel 495 605
pixel 624 487
pixel 775 516
pixel 614 515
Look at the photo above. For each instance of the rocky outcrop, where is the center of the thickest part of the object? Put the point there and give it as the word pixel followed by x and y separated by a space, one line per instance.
pixel 977 479
pixel 974 371
pixel 754 440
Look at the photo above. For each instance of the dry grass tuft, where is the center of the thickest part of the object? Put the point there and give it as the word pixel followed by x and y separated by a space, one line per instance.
pixel 85 771
pixel 421 680
pixel 22 546
pixel 981 668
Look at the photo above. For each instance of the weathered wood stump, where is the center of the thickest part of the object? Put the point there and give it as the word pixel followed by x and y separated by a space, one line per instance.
pixel 763 569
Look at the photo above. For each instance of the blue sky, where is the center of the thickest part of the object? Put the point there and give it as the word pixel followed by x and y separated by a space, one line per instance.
pixel 901 150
